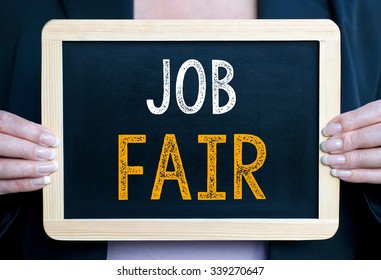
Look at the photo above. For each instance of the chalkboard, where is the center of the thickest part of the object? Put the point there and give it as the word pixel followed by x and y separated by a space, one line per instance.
pixel 190 129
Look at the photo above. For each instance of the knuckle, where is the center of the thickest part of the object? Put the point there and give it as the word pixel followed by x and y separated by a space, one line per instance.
pixel 27 169
pixel 376 108
pixel 346 122
pixel 15 168
pixel 361 176
pixel 3 188
pixel 370 176
pixel 353 159
pixel 13 186
pixel 20 185
pixel 5 120
pixel 26 150
pixel 350 141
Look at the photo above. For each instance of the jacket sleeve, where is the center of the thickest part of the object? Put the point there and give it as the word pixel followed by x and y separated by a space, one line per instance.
pixel 21 23
pixel 361 47
pixel 360 84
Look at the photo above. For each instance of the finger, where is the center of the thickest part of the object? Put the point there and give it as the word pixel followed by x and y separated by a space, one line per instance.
pixel 364 116
pixel 358 159
pixel 16 168
pixel 21 128
pixel 23 185
pixel 13 147
pixel 366 137
pixel 370 176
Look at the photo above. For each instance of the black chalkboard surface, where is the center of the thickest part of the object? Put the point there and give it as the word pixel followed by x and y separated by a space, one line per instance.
pixel 190 129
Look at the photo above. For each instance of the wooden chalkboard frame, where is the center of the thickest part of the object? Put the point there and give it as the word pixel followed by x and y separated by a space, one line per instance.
pixel 58 31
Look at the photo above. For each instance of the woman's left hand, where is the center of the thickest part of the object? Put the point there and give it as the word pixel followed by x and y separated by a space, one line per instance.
pixel 353 146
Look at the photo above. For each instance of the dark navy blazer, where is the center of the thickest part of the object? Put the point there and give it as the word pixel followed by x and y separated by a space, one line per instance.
pixel 360 204
pixel 21 21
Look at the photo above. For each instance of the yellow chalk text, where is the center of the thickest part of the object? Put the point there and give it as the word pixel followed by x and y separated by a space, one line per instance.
pixel 170 152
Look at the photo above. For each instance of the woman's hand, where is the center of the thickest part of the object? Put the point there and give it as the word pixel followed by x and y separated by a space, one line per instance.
pixel 354 145
pixel 26 154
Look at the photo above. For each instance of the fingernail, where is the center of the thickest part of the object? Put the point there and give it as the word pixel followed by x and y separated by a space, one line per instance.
pixel 332 129
pixel 45 153
pixel 341 173
pixel 331 145
pixel 333 159
pixel 49 140
pixel 41 181
pixel 47 167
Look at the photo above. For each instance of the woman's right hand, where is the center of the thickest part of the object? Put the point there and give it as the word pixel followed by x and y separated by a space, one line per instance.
pixel 26 154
